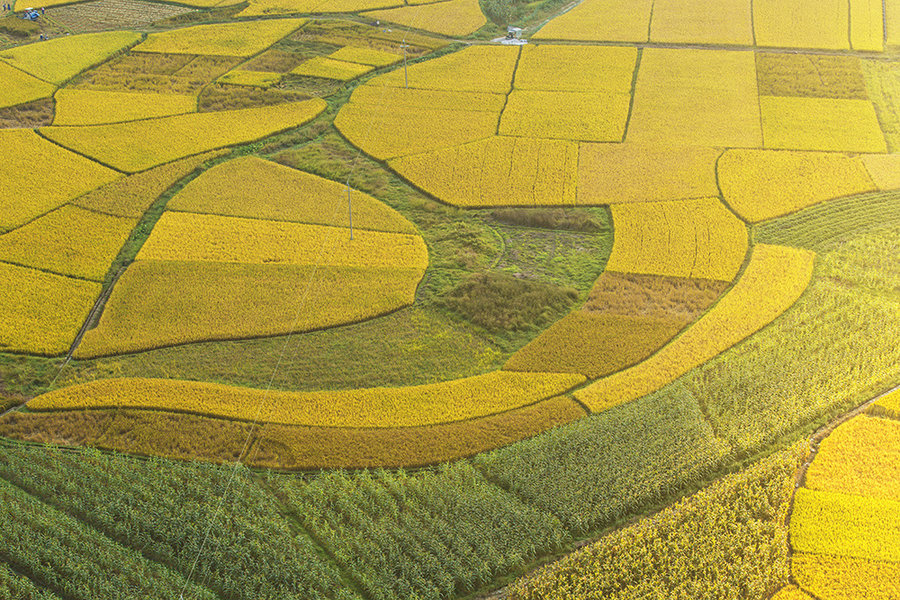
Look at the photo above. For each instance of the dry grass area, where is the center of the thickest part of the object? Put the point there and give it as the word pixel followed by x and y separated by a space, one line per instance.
pixel 653 295
pixel 27 116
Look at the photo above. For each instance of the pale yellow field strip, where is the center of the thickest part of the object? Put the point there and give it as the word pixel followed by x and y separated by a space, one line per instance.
pixel 802 23
pixel 630 172
pixel 257 8
pixel 374 407
pixel 764 184
pixel 702 22
pixel 601 21
pixel 884 169
pixel 453 18
pixel 244 38
pixel 867 25
pixel 685 238
pixel 90 107
pixel 831 124
pixel 577 116
pixel 892 18
pixel 696 97
pixel 42 313
pixel 773 280
pixel 38 176
pixel 213 238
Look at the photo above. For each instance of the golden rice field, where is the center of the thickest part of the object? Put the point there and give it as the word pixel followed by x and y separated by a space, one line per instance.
pixel 832 124
pixel 256 8
pixel 330 68
pixel 378 407
pixel 844 578
pixel 366 56
pixel 90 107
pixel 221 39
pixel 606 20
pixel 140 145
pixel 578 116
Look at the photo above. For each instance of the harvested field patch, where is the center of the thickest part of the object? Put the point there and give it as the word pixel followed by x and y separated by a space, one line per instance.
pixel 764 184
pixel 62 58
pixel 63 176
pixel 696 98
pixel 139 145
pixel 213 238
pixel 820 124
pixel 366 56
pixel 772 281
pixel 688 238
pixel 513 172
pixel 431 404
pixel 69 241
pixel 844 578
pixel 28 115
pixel 802 23
pixel 262 79
pixel 452 18
pixel 594 344
pixel 244 38
pixel 474 69
pixel 631 172
pixel 20 88
pixel 587 117
pixel 601 21
pixel 589 69
pixel 164 303
pixel 193 437
pixel 702 22
pixel 256 188
pixel 131 196
pixel 861 457
pixel 329 68
pixel 845 525
pixel 90 107
pixel 103 15
pixel 42 313
pixel 653 295
pixel 215 98
pixel 810 76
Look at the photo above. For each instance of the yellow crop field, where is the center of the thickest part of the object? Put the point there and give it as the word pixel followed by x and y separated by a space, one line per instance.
pixel 385 132
pixel 366 56
pixel 131 196
pixel 445 402
pixel 411 100
pixel 594 344
pixel 63 176
pixel 69 241
pixel 763 184
pixel 139 145
pixel 59 59
pixel 516 171
pixel 791 592
pixel 328 68
pixel 802 23
pixel 685 238
pixel 576 68
pixel 867 25
pixel 630 172
pixel 702 22
pixel 833 124
pixel 42 313
pixel 601 21
pixel 453 18
pixel 889 403
pixel 90 107
pixel 251 78
pixel 861 457
pixel 214 238
pixel 884 169
pixel 473 69
pixel 257 8
pixel 845 525
pixel 672 298
pixel 19 87
pixel 772 281
pixel 162 303
pixel 842 578
pixel 565 115
pixel 256 188
pixel 244 38
pixel 696 97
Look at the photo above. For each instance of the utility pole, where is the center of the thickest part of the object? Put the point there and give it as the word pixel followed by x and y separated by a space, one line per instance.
pixel 349 208
pixel 405 74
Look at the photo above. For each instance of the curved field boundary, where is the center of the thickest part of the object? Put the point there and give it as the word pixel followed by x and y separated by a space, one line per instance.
pixel 773 280
pixel 196 437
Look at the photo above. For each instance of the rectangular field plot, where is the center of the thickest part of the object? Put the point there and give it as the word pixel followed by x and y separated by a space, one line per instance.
pixel 802 23
pixel 221 39
pixel 89 107
pixel 565 115
pixel 601 21
pixel 892 16
pixel 696 97
pixel 474 69
pixel 576 69
pixel 702 22
pixel 821 124
pixel 811 76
